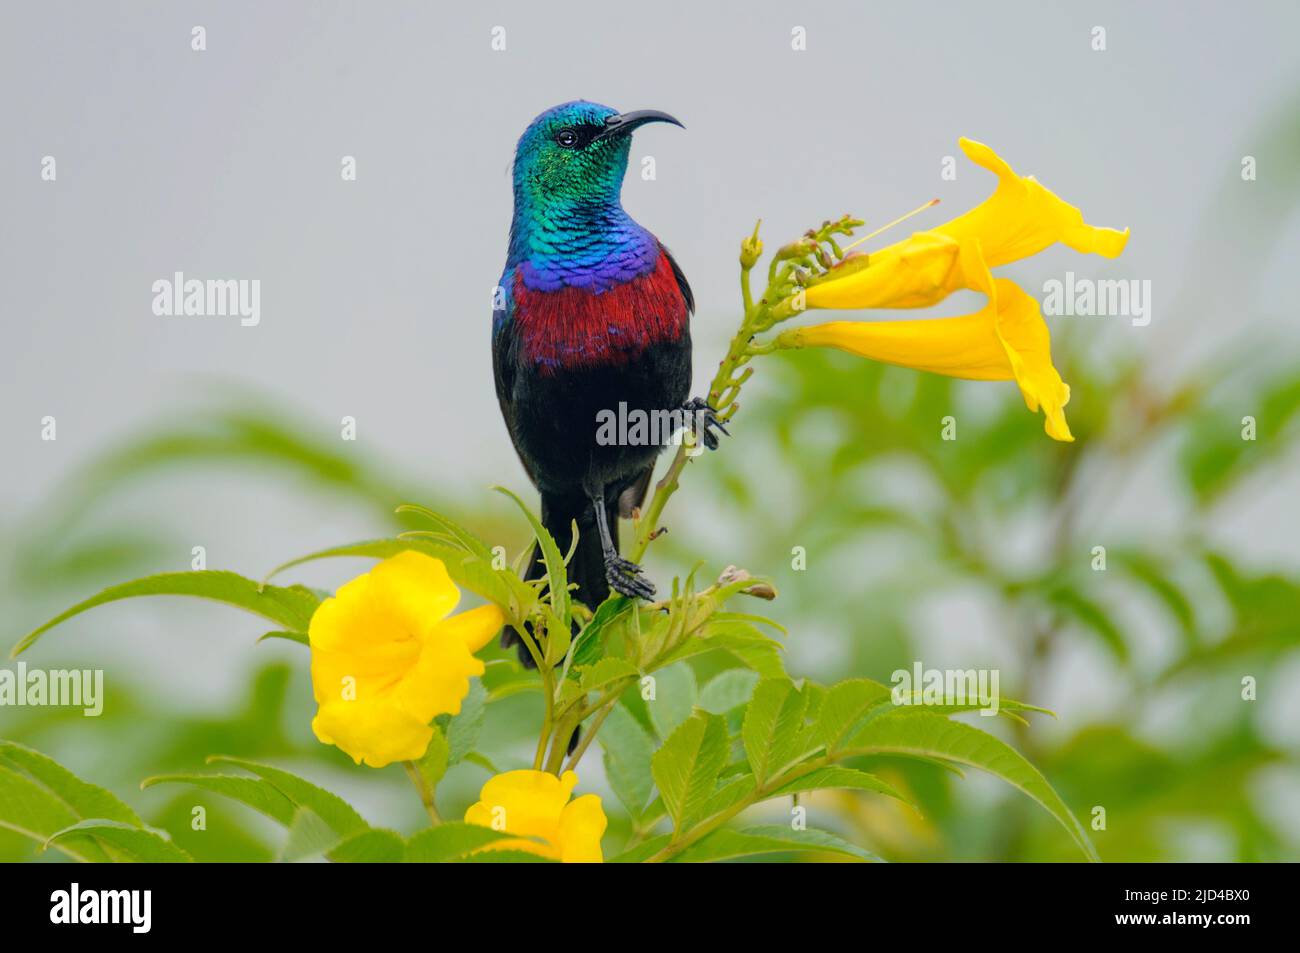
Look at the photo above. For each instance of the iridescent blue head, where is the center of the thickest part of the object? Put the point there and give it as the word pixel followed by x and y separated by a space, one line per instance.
pixel 568 175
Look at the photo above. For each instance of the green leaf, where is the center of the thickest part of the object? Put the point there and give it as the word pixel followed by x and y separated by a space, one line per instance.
pixel 730 794
pixel 845 705
pixel 37 813
pixel 725 844
pixel 375 846
pixel 291 608
pixel 559 636
pixel 261 796
pixel 135 843
pixel 628 750
pixel 1151 572
pixel 39 798
pixel 87 800
pixel 475 757
pixel 1264 609
pixel 726 619
pixel 1214 457
pixel 773 726
pixel 740 639
pixel 642 851
pixel 505 677
pixel 464 729
pixel 299 637
pixel 506 856
pixel 450 841
pixel 728 690
pixel 337 813
pixel 606 672
pixel 674 698
pixel 1008 707
pixel 686 768
pixel 556 573
pixel 838 777
pixel 1091 616
pixel 453 531
pixel 763 656
pixel 309 836
pixel 590 641
pixel 933 736
pixel 436 758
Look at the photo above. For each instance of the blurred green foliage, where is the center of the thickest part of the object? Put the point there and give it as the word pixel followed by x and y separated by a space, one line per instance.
pixel 845 460
pixel 839 429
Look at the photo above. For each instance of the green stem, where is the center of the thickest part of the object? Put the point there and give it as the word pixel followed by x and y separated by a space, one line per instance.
pixel 568 720
pixel 711 824
pixel 725 383
pixel 548 693
pixel 564 729
pixel 530 644
pixel 422 788
pixel 664 489
pixel 585 742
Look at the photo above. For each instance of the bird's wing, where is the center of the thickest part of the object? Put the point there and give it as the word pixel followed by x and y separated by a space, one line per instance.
pixel 634 496
pixel 505 358
pixel 505 341
pixel 682 283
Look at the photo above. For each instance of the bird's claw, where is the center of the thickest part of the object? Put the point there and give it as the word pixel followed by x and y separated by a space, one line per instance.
pixel 705 420
pixel 625 577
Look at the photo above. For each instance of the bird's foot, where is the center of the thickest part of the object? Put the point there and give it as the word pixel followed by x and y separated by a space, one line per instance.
pixel 704 421
pixel 625 577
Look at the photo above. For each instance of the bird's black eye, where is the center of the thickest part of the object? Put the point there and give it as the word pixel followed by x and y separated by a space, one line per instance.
pixel 567 137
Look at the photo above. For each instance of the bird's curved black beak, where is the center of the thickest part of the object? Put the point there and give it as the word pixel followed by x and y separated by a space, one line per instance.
pixel 624 123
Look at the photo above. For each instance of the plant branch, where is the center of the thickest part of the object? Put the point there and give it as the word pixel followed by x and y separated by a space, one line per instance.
pixel 585 742
pixel 548 693
pixel 761 793
pixel 422 788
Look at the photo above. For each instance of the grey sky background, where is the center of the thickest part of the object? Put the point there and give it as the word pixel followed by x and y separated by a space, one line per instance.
pixel 375 293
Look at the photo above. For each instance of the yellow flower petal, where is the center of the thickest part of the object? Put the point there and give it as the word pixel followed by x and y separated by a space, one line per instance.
pixel 416 587
pixel 440 679
pixel 1024 334
pixel 582 825
pixel 349 616
pixel 531 800
pixel 535 805
pixel 956 347
pixel 386 661
pixel 915 273
pixel 1007 339
pixel 475 628
pixel 375 731
pixel 1021 217
pixel 349 638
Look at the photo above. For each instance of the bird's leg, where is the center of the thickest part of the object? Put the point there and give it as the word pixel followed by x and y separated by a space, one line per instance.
pixel 623 575
pixel 703 420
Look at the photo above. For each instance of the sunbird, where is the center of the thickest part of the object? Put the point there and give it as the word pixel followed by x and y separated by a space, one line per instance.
pixel 591 316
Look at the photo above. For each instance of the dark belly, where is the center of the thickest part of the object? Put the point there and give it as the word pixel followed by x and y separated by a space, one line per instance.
pixel 592 429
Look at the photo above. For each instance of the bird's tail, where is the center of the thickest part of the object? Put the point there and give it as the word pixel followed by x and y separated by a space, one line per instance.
pixel 586 568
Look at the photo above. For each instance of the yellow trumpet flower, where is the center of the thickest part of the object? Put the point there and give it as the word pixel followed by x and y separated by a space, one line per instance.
pixel 387 657
pixel 1005 340
pixel 536 806
pixel 1021 217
